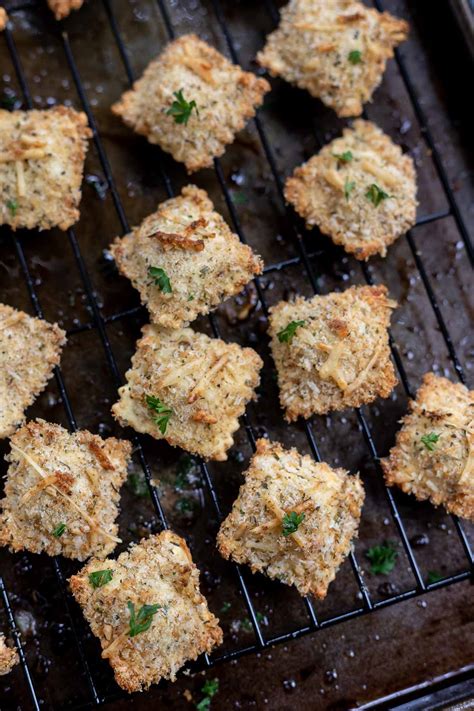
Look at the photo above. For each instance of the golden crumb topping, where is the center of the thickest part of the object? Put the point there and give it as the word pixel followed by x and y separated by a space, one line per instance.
pixel 62 8
pixel 8 657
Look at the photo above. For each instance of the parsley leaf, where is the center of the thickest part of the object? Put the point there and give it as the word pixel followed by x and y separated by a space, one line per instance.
pixel 290 522
pixel 355 56
pixel 430 440
pixel 100 577
pixel 137 483
pixel 210 689
pixel 376 194
pixel 59 530
pixel 349 186
pixel 12 206
pixel 286 334
pixel 226 606
pixel 382 558
pixel 433 577
pixel 345 157
pixel 181 109
pixel 161 279
pixel 163 413
pixel 141 621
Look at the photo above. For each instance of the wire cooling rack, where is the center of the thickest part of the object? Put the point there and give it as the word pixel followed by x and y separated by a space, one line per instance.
pixel 303 261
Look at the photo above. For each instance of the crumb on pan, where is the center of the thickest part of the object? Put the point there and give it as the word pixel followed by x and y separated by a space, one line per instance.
pixel 336 50
pixel 8 657
pixel 359 189
pixel 3 18
pixel 29 350
pixel 332 352
pixel 188 389
pixel 159 572
pixel 42 157
pixel 62 8
pixel 433 456
pixel 282 486
pixel 224 97
pixel 203 260
pixel 62 491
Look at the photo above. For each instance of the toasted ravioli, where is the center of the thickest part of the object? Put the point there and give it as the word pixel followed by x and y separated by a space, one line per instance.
pixel 158 571
pixel 188 389
pixel 62 491
pixel 332 352
pixel 433 455
pixel 224 97
pixel 336 50
pixel 191 246
pixel 62 8
pixel 3 23
pixel 360 190
pixel 29 350
pixel 42 157
pixel 8 657
pixel 281 484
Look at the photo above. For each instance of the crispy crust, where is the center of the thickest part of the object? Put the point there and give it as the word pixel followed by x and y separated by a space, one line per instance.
pixel 158 570
pixel 204 260
pixel 42 157
pixel 445 474
pixel 3 23
pixel 205 381
pixel 316 190
pixel 311 47
pixel 62 8
pixel 29 350
pixel 225 95
pixel 340 358
pixel 57 478
pixel 8 657
pixel 280 481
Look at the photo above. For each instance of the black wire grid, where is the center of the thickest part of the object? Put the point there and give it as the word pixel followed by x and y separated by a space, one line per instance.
pixel 100 323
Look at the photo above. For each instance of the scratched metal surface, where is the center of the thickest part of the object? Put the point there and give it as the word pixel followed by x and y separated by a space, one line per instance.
pixel 300 673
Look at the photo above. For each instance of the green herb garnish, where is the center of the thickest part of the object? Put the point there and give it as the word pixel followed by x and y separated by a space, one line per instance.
pixel 181 109
pixel 376 194
pixel 161 279
pixel 433 577
pixel 59 530
pixel 141 621
pixel 138 485
pixel 185 505
pixel 226 606
pixel 191 297
pixel 210 689
pixel 163 412
pixel 355 56
pixel 349 186
pixel 382 558
pixel 430 440
pixel 100 577
pixel 286 335
pixel 12 206
pixel 345 157
pixel 291 522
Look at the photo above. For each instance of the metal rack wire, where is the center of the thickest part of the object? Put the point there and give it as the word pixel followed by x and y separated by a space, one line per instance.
pixel 100 323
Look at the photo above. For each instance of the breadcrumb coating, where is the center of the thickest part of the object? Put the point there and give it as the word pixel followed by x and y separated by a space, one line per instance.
pixel 62 491
pixel 336 50
pixel 203 382
pixel 62 8
pixel 29 350
pixel 225 96
pixel 8 657
pixel 333 190
pixel 433 455
pixel 42 157
pixel 157 571
pixel 339 356
pixel 279 484
pixel 204 261
pixel 3 19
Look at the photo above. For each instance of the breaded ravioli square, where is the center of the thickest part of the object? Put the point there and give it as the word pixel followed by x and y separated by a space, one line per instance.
pixel 433 455
pixel 360 190
pixel 188 389
pixel 191 101
pixel 42 157
pixel 294 518
pixel 336 50
pixel 184 260
pixel 62 491
pixel 29 350
pixel 62 8
pixel 155 581
pixel 332 352
pixel 8 657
